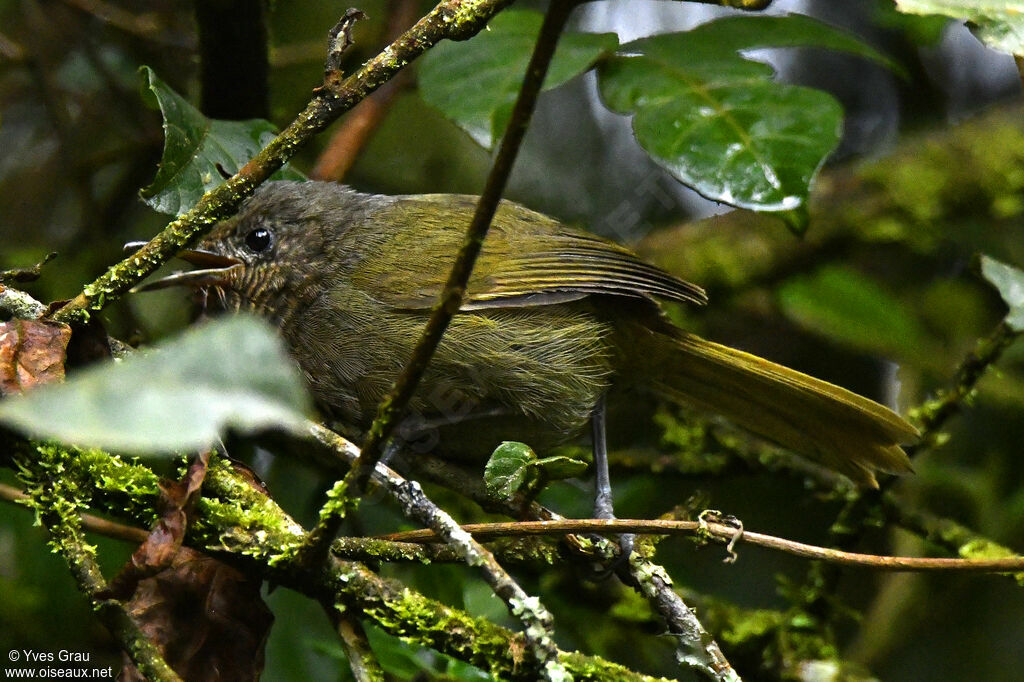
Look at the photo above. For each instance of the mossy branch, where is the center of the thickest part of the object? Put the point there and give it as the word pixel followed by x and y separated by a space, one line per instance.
pixel 243 525
pixel 933 414
pixel 361 658
pixel 58 500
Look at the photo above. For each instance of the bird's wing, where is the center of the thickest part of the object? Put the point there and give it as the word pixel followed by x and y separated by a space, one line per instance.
pixel 527 259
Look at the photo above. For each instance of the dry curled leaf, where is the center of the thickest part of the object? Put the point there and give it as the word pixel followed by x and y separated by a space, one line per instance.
pixel 207 618
pixel 31 353
pixel 163 544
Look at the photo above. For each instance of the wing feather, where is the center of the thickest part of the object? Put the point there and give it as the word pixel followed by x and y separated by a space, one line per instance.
pixel 527 259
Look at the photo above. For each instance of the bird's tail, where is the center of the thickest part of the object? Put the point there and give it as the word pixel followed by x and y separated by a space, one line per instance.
pixel 826 423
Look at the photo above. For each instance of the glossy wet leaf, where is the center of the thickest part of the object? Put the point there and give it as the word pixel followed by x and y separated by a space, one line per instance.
pixel 509 469
pixel 199 151
pixel 718 121
pixel 475 82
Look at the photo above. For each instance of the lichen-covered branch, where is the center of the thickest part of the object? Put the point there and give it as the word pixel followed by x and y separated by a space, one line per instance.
pixel 536 619
pixel 361 659
pixel 18 304
pixel 697 647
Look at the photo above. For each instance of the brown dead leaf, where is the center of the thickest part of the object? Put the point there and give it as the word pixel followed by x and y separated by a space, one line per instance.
pixel 207 618
pixel 163 543
pixel 32 352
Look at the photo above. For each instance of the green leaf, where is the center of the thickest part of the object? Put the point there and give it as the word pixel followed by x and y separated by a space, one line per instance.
pixel 557 467
pixel 230 373
pixel 922 30
pixel 844 305
pixel 718 121
pixel 404 662
pixel 198 149
pixel 1010 283
pixel 997 23
pixel 509 469
pixel 475 82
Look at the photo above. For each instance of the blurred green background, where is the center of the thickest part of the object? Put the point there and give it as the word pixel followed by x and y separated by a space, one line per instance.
pixel 880 296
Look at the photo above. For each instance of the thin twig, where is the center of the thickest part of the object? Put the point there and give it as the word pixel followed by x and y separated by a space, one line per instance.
pixel 355 130
pixel 645 576
pixel 718 531
pixel 945 533
pixel 94 524
pixel 648 578
pixel 392 408
pixel 356 549
pixel 415 505
pixel 239 522
pixel 856 516
pixel 934 414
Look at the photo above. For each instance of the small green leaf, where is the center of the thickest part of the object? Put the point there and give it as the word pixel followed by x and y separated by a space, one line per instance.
pixel 510 468
pixel 197 150
pixel 718 121
pixel 230 373
pixel 557 467
pixel 475 82
pixel 844 305
pixel 997 23
pixel 1010 283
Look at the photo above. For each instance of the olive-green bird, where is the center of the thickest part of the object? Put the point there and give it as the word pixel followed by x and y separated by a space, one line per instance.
pixel 554 318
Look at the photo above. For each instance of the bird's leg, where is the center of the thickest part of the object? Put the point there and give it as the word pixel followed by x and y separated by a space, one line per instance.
pixel 603 506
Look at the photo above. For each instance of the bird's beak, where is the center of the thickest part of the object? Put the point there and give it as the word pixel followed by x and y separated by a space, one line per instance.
pixel 214 270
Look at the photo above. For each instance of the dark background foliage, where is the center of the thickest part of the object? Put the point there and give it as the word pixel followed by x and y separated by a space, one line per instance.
pixel 929 173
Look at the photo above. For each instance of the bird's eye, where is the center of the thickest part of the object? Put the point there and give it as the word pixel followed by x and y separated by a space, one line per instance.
pixel 258 240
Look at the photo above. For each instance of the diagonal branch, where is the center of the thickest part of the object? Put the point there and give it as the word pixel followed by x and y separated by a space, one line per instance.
pixel 454 19
pixel 534 616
